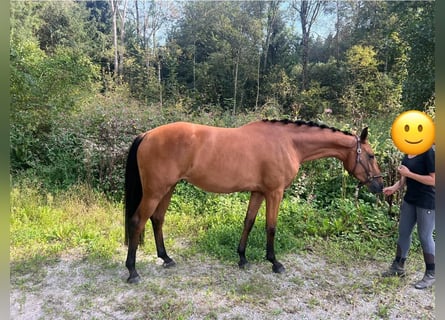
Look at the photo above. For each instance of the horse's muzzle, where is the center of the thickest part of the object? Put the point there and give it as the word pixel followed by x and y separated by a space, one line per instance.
pixel 375 186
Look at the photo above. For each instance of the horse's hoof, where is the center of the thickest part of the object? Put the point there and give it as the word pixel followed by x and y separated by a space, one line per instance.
pixel 244 265
pixel 169 264
pixel 278 268
pixel 134 280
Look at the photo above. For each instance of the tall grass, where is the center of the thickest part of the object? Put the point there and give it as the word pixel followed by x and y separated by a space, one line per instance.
pixel 45 225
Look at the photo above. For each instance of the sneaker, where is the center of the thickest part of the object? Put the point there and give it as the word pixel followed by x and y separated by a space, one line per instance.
pixel 427 281
pixel 394 270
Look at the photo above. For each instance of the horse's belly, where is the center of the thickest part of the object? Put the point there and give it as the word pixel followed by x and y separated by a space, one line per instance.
pixel 223 182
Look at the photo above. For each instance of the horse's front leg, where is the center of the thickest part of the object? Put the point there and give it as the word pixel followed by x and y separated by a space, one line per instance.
pixel 273 200
pixel 255 201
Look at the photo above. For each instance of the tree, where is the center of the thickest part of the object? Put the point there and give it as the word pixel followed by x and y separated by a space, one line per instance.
pixel 417 30
pixel 308 12
pixel 50 74
pixel 344 13
pixel 369 91
pixel 220 48
pixel 402 34
pixel 278 53
pixel 99 29
pixel 117 12
pixel 147 24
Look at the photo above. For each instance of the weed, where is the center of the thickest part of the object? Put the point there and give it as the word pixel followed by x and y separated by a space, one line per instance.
pixel 313 302
pixel 383 311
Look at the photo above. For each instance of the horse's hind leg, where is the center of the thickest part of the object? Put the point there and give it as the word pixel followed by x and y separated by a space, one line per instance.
pixel 136 227
pixel 255 201
pixel 157 221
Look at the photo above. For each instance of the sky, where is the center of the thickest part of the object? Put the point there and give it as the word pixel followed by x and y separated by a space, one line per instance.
pixel 323 26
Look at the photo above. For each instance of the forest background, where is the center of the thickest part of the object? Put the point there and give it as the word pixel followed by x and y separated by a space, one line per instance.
pixel 87 76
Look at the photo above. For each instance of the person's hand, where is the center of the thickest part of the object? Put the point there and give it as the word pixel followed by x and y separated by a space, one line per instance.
pixel 390 190
pixel 403 170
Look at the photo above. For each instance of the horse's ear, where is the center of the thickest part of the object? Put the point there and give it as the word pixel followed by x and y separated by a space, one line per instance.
pixel 364 135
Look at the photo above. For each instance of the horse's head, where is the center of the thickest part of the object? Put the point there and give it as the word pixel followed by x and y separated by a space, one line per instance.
pixel 361 163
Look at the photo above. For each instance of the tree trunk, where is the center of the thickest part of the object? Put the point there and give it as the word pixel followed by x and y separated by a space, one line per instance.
pixel 122 16
pixel 113 4
pixel 308 11
pixel 138 28
pixel 305 43
pixel 258 80
pixel 337 34
pixel 272 14
pixel 159 82
pixel 194 67
pixel 235 84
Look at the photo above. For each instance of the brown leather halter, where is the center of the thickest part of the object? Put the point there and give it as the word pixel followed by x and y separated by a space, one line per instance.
pixel 358 161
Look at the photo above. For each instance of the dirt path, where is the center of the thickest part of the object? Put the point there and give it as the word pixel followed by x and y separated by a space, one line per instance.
pixel 202 288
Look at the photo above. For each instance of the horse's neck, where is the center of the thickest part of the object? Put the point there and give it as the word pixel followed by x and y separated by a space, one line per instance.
pixel 313 146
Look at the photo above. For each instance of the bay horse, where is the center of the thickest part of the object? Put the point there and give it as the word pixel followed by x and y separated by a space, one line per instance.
pixel 262 157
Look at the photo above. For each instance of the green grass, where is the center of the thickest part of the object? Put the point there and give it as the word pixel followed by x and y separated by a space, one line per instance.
pixel 43 226
pixel 46 228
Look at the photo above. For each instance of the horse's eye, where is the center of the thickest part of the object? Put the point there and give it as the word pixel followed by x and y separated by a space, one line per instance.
pixel 371 156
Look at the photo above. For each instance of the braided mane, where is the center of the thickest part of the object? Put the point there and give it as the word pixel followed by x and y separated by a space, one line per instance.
pixel 307 123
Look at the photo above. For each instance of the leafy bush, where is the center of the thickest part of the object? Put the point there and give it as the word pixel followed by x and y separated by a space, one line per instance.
pixel 45 90
pixel 64 166
pixel 90 145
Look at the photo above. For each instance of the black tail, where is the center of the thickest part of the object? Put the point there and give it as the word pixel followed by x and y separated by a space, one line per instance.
pixel 133 186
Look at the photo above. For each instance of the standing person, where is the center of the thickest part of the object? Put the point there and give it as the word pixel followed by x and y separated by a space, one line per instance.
pixel 417 172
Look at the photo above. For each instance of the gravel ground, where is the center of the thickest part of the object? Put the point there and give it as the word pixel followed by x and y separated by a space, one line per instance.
pixel 200 287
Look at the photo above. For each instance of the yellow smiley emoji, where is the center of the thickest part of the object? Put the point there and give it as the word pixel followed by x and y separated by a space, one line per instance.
pixel 413 132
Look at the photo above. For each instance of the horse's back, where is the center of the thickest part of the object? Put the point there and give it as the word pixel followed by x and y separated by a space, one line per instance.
pixel 212 158
pixel 166 146
pixel 171 149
